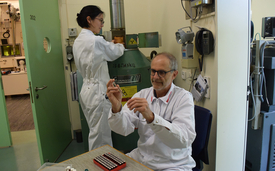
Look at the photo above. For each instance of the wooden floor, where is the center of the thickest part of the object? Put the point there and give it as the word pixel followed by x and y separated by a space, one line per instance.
pixel 19 112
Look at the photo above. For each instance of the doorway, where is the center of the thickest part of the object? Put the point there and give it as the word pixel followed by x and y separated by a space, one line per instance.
pixel 24 151
pixel 19 112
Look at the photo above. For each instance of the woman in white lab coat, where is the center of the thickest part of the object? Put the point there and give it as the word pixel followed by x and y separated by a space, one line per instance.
pixel 91 53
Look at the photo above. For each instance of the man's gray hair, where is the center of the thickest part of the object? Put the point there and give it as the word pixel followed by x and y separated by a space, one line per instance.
pixel 172 59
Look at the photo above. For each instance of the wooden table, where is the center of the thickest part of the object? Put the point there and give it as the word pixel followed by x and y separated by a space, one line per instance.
pixel 85 161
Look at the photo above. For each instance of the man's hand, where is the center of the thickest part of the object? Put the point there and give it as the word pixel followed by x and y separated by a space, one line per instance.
pixel 114 96
pixel 141 105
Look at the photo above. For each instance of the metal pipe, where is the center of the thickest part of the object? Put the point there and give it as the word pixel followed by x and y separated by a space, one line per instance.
pixel 117 14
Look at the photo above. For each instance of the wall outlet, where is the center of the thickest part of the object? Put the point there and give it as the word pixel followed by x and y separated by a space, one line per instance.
pixel 186 73
pixel 72 32
pixel 183 74
pixel 207 95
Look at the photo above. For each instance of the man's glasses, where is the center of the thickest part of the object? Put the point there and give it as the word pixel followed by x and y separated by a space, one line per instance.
pixel 101 20
pixel 161 73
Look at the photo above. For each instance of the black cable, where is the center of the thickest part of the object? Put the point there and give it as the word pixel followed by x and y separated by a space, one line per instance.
pixel 192 79
pixel 6 34
pixel 199 46
pixel 187 12
pixel 201 62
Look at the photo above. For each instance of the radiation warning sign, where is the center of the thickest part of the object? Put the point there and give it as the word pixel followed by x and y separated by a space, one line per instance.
pixel 132 42
pixel 128 91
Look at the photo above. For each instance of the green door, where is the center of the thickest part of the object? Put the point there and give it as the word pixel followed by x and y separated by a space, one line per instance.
pixel 4 122
pixel 44 59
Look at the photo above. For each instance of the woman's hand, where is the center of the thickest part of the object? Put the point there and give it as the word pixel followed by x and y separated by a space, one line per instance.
pixel 114 95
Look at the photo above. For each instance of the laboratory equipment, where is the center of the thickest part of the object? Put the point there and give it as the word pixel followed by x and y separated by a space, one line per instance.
pixel 268 25
pixel 261 125
pixel 196 3
pixel 198 6
pixel 185 38
pixel 260 144
pixel 130 71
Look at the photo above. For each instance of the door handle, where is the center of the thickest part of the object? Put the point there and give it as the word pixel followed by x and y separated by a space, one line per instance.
pixel 42 88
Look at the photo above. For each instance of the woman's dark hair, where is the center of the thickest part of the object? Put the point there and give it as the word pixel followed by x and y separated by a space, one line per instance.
pixel 90 10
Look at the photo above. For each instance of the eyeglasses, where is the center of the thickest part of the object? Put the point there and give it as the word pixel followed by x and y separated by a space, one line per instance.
pixel 101 20
pixel 161 73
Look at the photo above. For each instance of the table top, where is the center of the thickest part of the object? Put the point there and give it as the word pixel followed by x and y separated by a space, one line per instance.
pixel 85 161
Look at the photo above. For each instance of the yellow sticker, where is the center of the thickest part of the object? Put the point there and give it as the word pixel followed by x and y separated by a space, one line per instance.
pixel 128 91
pixel 132 42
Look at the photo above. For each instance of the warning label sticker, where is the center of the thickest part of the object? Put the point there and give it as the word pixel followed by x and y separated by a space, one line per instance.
pixel 128 91
pixel 132 42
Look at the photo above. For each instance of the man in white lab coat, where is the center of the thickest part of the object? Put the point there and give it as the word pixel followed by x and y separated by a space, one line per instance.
pixel 164 116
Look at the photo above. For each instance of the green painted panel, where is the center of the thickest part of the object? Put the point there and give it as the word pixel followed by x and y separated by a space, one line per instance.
pixel 131 69
pixel 41 26
pixel 4 121
pixel 147 40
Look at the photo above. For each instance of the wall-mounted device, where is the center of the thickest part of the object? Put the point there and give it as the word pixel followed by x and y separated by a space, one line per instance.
pixel 268 27
pixel 204 41
pixel 72 32
pixel 195 3
pixel 185 38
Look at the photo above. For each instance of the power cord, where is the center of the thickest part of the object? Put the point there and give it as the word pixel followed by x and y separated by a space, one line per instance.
pixel 192 80
pixel 197 11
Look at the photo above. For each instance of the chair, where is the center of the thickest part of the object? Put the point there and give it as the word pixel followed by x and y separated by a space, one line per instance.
pixel 203 119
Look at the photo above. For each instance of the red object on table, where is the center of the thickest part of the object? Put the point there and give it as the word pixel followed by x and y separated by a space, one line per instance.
pixel 109 162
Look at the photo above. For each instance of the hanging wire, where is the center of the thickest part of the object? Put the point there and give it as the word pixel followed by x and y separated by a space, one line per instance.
pixel 262 81
pixel 193 78
pixel 187 12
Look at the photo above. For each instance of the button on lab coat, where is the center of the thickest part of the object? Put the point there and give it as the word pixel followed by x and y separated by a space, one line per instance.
pixel 91 54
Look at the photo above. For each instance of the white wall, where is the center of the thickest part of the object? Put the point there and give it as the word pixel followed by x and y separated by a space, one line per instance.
pixel 260 9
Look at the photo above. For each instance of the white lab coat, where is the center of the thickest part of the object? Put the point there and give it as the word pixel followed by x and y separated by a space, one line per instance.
pixel 91 54
pixel 160 148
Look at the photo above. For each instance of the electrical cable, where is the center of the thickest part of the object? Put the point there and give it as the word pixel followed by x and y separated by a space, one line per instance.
pixel 260 71
pixel 200 12
pixel 192 80
pixel 201 63
pixel 187 12
pixel 265 91
pixel 6 34
pixel 262 80
pixel 252 95
pixel 262 47
pixel 256 36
